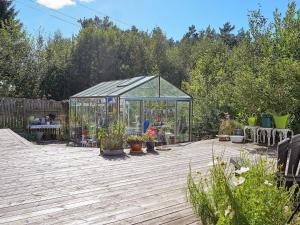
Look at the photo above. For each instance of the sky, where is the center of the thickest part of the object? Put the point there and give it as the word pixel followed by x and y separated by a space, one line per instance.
pixel 173 16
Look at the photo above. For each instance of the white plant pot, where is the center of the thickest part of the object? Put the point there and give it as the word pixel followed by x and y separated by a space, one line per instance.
pixel 237 139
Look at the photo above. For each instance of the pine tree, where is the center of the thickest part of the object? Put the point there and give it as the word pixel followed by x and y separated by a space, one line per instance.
pixel 7 12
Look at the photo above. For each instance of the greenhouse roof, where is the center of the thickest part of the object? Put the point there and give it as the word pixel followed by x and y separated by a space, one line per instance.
pixel 137 87
pixel 113 88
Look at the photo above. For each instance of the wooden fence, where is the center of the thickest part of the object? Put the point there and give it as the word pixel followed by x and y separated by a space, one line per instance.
pixel 14 112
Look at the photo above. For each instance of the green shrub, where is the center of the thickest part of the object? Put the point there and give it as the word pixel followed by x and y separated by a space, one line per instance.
pixel 251 195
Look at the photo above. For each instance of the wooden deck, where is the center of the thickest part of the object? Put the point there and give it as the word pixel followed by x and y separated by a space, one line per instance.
pixel 55 184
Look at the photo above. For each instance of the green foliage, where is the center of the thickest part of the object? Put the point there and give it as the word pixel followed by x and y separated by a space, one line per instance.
pixel 250 195
pixel 53 67
pixel 135 139
pixel 7 13
pixel 101 138
pixel 114 137
pixel 227 126
pixel 258 74
pixel 236 124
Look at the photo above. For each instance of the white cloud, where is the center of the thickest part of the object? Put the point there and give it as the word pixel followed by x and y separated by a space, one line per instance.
pixel 86 0
pixel 57 4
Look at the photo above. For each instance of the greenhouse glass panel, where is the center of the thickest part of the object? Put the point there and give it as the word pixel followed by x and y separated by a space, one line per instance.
pixel 91 122
pixel 78 121
pixel 112 109
pixel 73 119
pixel 122 108
pixel 101 113
pixel 161 115
pixel 183 121
pixel 170 91
pixel 132 117
pixel 148 89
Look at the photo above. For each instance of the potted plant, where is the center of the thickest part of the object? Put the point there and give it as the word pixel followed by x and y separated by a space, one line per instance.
pixel 238 133
pixel 237 128
pixel 252 120
pixel 226 128
pixel 135 142
pixel 112 139
pixel 280 118
pixel 266 120
pixel 282 102
pixel 149 138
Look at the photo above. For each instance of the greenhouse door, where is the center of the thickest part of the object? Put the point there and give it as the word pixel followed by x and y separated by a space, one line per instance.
pixel 183 111
pixel 101 114
pixel 133 117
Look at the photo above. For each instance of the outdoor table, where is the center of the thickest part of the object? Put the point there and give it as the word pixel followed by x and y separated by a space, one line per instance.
pixel 45 128
pixel 264 132
pixel 253 130
pixel 283 133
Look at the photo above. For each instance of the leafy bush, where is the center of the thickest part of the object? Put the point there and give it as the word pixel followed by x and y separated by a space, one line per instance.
pixel 250 195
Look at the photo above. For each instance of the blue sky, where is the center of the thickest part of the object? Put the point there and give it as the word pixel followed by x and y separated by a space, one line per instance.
pixel 173 16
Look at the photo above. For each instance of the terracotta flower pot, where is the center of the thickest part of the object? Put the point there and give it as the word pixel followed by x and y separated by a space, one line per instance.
pixel 136 146
pixel 224 137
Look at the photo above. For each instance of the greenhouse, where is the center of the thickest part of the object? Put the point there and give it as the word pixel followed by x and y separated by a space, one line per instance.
pixel 141 102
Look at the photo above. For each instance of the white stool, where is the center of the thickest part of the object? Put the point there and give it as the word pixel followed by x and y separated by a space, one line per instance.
pixel 283 133
pixel 264 132
pixel 253 132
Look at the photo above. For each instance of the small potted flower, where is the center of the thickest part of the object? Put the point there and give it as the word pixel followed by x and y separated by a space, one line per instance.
pixel 135 142
pixel 149 138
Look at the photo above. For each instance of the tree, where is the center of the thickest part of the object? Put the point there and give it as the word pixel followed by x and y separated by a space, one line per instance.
pixel 227 36
pixel 54 68
pixel 16 61
pixel 97 22
pixel 7 12
pixel 192 33
pixel 260 73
